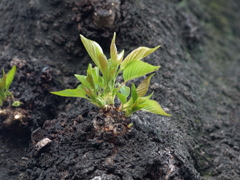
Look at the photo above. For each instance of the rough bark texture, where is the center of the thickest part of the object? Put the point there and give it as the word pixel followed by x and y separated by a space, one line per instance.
pixel 198 83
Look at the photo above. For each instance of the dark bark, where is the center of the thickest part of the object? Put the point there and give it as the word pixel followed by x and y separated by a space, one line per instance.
pixel 198 82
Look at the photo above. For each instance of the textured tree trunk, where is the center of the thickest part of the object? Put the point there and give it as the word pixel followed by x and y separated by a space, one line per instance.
pixel 198 83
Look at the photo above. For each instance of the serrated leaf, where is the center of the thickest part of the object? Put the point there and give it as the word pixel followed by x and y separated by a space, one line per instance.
pixel 10 77
pixel 143 87
pixel 138 54
pixel 71 93
pixel 137 69
pixel 153 107
pixel 95 52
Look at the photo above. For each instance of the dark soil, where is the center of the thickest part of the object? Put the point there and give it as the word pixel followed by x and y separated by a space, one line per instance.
pixel 198 84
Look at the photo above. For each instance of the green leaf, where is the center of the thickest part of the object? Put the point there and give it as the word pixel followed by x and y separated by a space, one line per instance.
pixel 112 71
pixel 91 94
pixel 95 52
pixel 122 97
pixel 134 94
pixel 125 90
pixel 100 81
pixel 127 107
pixel 83 80
pixel 113 49
pixel 103 63
pixel 80 86
pixel 138 104
pixel 2 87
pixel 138 54
pixel 153 107
pixel 71 93
pixel 89 77
pixel 120 57
pixel 137 69
pixel 16 103
pixel 10 77
pixel 141 100
pixel 96 77
pixel 143 87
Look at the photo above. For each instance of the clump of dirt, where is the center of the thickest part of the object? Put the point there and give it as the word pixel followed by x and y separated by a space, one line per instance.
pixel 79 150
pixel 31 87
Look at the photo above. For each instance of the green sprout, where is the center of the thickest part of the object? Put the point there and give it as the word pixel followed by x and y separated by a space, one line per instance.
pixel 5 83
pixel 100 85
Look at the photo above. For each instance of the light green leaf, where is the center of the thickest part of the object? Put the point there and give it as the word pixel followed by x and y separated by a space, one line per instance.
pixel 122 97
pixel 89 77
pixel 103 63
pixel 71 93
pixel 143 87
pixel 91 94
pixel 83 80
pixel 16 103
pixel 10 77
pixel 134 94
pixel 113 49
pixel 153 107
pixel 80 86
pixel 1 90
pixel 120 57
pixel 138 54
pixel 128 105
pixel 125 90
pixel 141 100
pixel 138 104
pixel 101 81
pixel 95 52
pixel 96 77
pixel 137 69
pixel 112 71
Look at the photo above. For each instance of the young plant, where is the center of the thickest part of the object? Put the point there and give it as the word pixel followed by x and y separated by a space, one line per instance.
pixel 5 83
pixel 100 85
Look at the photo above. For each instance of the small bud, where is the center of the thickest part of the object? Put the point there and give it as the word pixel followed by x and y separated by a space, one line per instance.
pixel 16 103
pixel 130 125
